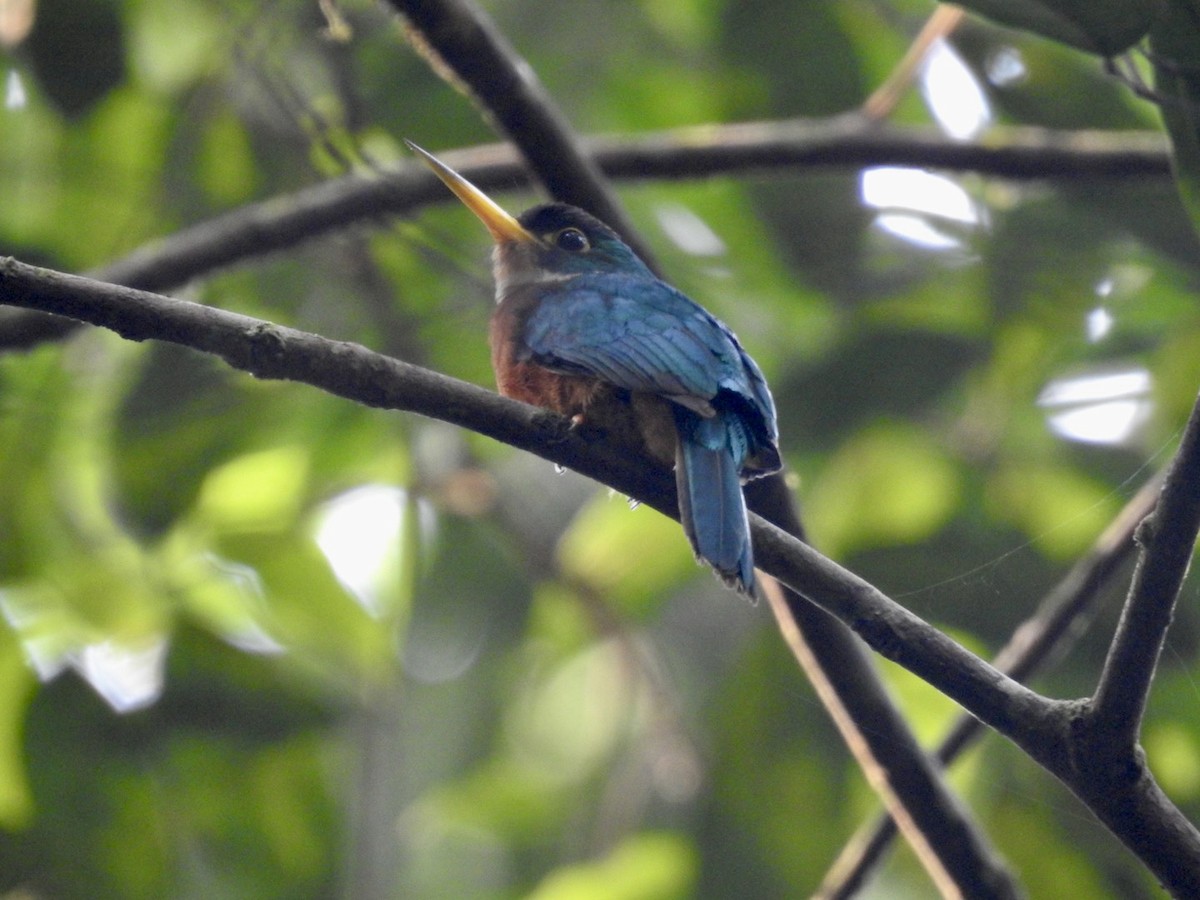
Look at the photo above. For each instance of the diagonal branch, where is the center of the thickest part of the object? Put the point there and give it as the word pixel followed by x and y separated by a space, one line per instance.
pixel 350 370
pixel 938 27
pixel 942 832
pixel 941 829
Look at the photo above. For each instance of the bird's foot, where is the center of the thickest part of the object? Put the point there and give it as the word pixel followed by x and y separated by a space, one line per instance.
pixel 586 430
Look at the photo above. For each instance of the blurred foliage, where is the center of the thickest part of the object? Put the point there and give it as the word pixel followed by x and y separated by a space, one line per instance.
pixel 260 642
pixel 1105 27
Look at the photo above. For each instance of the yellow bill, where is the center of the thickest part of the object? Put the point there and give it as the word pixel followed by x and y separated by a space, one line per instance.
pixel 502 226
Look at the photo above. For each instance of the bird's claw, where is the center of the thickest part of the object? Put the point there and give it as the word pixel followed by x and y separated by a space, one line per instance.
pixel 586 430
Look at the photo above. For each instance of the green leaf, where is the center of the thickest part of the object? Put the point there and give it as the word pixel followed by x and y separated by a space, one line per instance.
pixel 256 491
pixel 887 485
pixel 16 804
pixel 606 547
pixel 644 867
pixel 1060 509
pixel 1171 749
pixel 1104 27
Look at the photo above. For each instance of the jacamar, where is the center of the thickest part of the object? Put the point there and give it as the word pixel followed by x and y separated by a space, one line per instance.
pixel 583 327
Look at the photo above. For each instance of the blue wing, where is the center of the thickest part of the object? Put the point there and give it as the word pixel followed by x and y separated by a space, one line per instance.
pixel 643 335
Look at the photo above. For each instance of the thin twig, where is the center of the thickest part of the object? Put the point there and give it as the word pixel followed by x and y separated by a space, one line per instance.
pixel 885 98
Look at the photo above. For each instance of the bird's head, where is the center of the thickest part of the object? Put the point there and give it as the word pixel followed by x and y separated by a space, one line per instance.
pixel 551 242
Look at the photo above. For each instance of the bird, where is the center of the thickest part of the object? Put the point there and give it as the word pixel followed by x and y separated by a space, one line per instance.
pixel 583 327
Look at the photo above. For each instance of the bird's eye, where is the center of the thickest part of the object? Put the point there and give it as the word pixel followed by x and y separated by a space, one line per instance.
pixel 572 240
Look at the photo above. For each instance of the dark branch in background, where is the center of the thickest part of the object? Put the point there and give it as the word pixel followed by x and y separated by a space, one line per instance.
pixel 1126 799
pixel 464 40
pixel 1060 618
pixel 938 828
pixel 716 150
pixel 466 44
pixel 767 147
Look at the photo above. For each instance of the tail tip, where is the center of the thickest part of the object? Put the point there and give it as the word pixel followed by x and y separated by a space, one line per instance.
pixel 741 579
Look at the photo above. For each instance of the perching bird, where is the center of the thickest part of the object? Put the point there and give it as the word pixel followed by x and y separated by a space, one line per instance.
pixel 584 328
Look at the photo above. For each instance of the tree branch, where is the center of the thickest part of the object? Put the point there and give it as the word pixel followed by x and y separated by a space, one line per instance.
pixel 1060 619
pixel 352 371
pixel 286 221
pixel 1167 538
pixel 1132 805
pixel 1107 760
pixel 952 847
pixel 941 23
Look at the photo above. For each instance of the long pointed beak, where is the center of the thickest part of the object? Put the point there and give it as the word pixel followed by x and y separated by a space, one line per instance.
pixel 502 226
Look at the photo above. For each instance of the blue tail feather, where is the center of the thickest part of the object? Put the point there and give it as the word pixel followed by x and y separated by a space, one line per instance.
pixel 711 506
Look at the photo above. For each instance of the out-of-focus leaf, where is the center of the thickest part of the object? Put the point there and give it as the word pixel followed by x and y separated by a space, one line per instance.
pixel 1104 27
pixel 97 215
pixel 634 554
pixel 255 492
pixel 180 416
pixel 1059 509
pixel 226 166
pixel 1044 850
pixel 648 866
pixel 227 769
pixel 173 42
pixel 16 688
pixel 889 484
pixel 311 613
pixel 1051 84
pixel 563 726
pixel 1175 42
pixel 1173 752
pixel 506 796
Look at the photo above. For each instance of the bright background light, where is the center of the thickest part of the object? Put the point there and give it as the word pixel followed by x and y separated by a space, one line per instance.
pixel 1099 407
pixel 953 95
pixel 361 533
